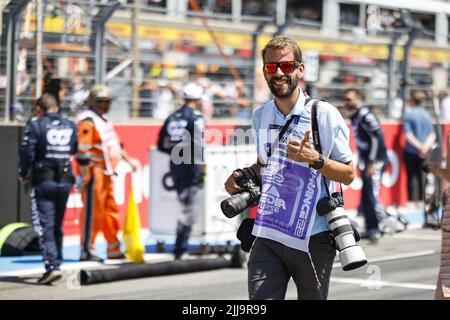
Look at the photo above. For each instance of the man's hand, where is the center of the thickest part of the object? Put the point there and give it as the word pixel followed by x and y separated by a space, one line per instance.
pixel 82 184
pixel 302 151
pixel 231 186
pixel 133 166
pixel 24 180
pixel 370 169
pixel 423 152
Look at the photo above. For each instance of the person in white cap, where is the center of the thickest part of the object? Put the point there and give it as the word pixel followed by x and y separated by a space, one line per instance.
pixel 182 137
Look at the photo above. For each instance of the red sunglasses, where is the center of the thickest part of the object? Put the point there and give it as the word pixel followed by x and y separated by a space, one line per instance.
pixel 285 66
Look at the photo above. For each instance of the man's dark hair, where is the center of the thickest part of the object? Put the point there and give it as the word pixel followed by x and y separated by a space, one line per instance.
pixel 418 97
pixel 283 43
pixel 357 93
pixel 52 86
pixel 47 101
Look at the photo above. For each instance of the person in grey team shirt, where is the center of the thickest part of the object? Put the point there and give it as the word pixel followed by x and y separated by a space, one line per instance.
pixel 291 239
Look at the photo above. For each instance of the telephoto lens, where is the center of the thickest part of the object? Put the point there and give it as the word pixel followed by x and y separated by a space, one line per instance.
pixel 235 204
pixel 249 197
pixel 351 255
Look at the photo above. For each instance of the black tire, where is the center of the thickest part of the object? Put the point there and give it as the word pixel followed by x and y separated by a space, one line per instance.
pixel 20 242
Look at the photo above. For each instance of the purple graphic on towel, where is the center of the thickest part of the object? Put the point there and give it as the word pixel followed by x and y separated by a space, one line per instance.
pixel 288 198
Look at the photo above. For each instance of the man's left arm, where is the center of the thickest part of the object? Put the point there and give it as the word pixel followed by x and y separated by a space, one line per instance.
pixel 372 126
pixel 302 151
pixel 430 140
pixel 126 157
pixel 411 138
pixel 334 136
pixel 337 171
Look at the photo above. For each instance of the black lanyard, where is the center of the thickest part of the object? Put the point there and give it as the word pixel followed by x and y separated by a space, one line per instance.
pixel 281 133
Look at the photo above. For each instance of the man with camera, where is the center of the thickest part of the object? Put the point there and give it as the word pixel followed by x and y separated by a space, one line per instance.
pixel 292 239
pixel 46 148
pixel 372 160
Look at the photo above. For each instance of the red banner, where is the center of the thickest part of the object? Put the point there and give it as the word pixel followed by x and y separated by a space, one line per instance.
pixel 138 139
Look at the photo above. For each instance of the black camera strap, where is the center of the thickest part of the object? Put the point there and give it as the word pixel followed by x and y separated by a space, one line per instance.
pixel 316 138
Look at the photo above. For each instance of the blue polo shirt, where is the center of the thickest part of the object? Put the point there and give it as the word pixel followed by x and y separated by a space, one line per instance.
pixel 418 122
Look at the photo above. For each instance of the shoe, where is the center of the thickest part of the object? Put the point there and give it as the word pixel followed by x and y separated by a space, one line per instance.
pixel 388 225
pixel 374 237
pixel 183 256
pixel 50 276
pixel 90 257
pixel 116 256
pixel 179 254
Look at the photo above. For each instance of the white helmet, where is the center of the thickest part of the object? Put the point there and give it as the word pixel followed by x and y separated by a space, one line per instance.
pixel 192 91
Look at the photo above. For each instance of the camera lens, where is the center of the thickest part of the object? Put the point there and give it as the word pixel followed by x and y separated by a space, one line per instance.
pixel 351 255
pixel 234 205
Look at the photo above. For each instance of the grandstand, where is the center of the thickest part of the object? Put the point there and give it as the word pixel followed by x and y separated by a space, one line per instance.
pixel 147 49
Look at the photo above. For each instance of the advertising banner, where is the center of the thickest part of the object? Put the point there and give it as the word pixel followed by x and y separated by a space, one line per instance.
pixel 211 225
pixel 138 139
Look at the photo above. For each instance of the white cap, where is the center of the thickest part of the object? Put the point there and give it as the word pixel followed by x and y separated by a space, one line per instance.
pixel 192 92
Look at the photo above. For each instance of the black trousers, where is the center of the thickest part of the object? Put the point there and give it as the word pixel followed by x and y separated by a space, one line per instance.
pixel 416 176
pixel 272 264
pixel 48 205
pixel 370 204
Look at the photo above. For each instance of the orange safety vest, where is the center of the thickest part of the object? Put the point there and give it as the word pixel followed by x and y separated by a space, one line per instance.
pixel 96 136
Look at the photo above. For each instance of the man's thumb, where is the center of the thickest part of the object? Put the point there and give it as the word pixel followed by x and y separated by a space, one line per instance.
pixel 306 137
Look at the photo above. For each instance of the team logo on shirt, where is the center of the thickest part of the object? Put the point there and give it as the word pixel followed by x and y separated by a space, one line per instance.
pixel 176 129
pixel 59 137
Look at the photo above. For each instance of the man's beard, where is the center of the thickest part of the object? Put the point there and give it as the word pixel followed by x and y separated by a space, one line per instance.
pixel 350 110
pixel 292 84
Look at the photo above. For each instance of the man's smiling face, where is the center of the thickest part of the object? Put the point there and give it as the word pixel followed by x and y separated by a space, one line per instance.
pixel 282 84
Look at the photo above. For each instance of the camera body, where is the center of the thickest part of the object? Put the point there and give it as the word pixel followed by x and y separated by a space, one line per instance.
pixel 327 204
pixel 351 255
pixel 237 203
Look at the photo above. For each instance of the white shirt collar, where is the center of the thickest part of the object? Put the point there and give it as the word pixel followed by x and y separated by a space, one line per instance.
pixel 298 107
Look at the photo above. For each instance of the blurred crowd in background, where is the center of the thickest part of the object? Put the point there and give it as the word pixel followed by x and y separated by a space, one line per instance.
pixel 175 48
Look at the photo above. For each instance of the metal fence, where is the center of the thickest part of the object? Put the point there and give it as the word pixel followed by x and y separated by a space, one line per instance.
pixel 150 53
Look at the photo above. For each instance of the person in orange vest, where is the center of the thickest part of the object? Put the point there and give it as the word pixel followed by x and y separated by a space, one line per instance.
pixel 99 152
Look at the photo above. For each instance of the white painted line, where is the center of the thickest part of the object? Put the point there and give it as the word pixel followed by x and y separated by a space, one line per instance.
pixel 403 256
pixel 396 257
pixel 416 237
pixel 376 284
pixel 149 257
pixel 64 267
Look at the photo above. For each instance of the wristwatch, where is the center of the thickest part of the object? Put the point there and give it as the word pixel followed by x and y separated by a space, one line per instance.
pixel 318 164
